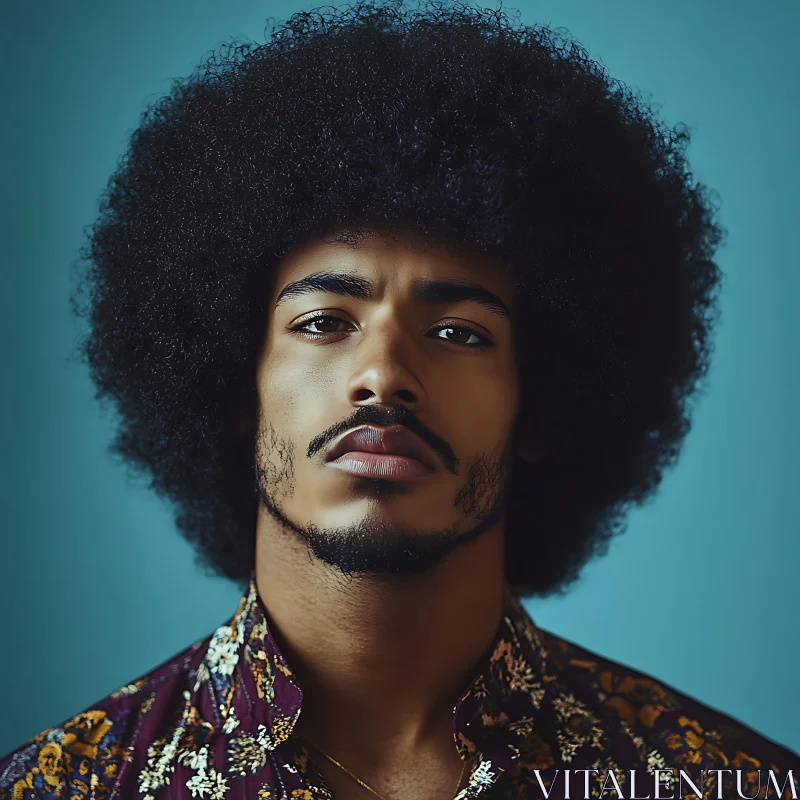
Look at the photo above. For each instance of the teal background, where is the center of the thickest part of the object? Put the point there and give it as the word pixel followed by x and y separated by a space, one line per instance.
pixel 96 588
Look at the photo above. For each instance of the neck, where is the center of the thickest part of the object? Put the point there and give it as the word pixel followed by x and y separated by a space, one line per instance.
pixel 381 662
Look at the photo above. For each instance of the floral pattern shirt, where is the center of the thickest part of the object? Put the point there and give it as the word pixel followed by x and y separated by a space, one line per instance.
pixel 216 722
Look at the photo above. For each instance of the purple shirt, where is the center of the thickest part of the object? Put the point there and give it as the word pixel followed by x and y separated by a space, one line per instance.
pixel 216 721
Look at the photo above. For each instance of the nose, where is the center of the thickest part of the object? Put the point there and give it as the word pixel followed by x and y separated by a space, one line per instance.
pixel 384 369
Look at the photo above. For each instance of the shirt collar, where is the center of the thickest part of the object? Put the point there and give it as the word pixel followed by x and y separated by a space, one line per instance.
pixel 491 718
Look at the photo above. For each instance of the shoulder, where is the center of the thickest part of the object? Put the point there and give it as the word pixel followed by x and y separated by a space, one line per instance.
pixel 657 715
pixel 85 754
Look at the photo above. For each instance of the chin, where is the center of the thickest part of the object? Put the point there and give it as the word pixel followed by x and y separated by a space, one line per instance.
pixel 380 488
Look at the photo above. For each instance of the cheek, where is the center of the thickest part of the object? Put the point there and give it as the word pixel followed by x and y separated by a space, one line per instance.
pixel 289 389
pixel 487 400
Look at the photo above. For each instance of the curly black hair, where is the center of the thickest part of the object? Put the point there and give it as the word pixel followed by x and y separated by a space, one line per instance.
pixel 469 130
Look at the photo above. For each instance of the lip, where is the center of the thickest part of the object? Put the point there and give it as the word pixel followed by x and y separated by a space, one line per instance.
pixel 382 452
pixel 374 465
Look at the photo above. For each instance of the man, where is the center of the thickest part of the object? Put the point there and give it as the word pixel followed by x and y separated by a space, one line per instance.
pixel 402 310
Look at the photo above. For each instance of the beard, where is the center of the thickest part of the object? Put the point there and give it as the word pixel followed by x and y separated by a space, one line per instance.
pixel 372 545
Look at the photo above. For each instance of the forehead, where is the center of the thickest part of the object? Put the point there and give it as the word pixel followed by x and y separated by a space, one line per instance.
pixel 393 264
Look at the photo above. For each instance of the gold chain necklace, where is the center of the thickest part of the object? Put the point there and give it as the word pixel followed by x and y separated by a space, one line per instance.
pixel 366 786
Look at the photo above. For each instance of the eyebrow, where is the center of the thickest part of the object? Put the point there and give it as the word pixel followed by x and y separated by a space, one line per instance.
pixel 427 291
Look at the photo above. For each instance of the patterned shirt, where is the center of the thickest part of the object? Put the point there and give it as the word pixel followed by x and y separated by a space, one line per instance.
pixel 216 722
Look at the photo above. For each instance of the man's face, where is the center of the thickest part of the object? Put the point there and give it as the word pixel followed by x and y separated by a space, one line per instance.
pixel 414 350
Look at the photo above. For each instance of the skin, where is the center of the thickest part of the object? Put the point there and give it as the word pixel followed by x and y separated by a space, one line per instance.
pixel 382 658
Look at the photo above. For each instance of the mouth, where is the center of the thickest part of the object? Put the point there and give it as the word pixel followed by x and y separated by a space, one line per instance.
pixel 392 453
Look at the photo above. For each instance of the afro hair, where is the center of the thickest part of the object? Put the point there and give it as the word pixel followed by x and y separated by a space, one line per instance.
pixel 465 128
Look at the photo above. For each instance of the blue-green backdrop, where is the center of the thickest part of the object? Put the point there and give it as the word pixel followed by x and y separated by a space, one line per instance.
pixel 95 585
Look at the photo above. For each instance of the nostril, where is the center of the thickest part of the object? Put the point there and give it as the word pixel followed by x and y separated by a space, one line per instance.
pixel 406 395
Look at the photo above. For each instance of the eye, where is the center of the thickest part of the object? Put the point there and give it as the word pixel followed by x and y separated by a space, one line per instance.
pixel 461 335
pixel 323 323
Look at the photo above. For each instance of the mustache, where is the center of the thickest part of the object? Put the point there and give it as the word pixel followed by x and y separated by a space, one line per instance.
pixel 386 415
